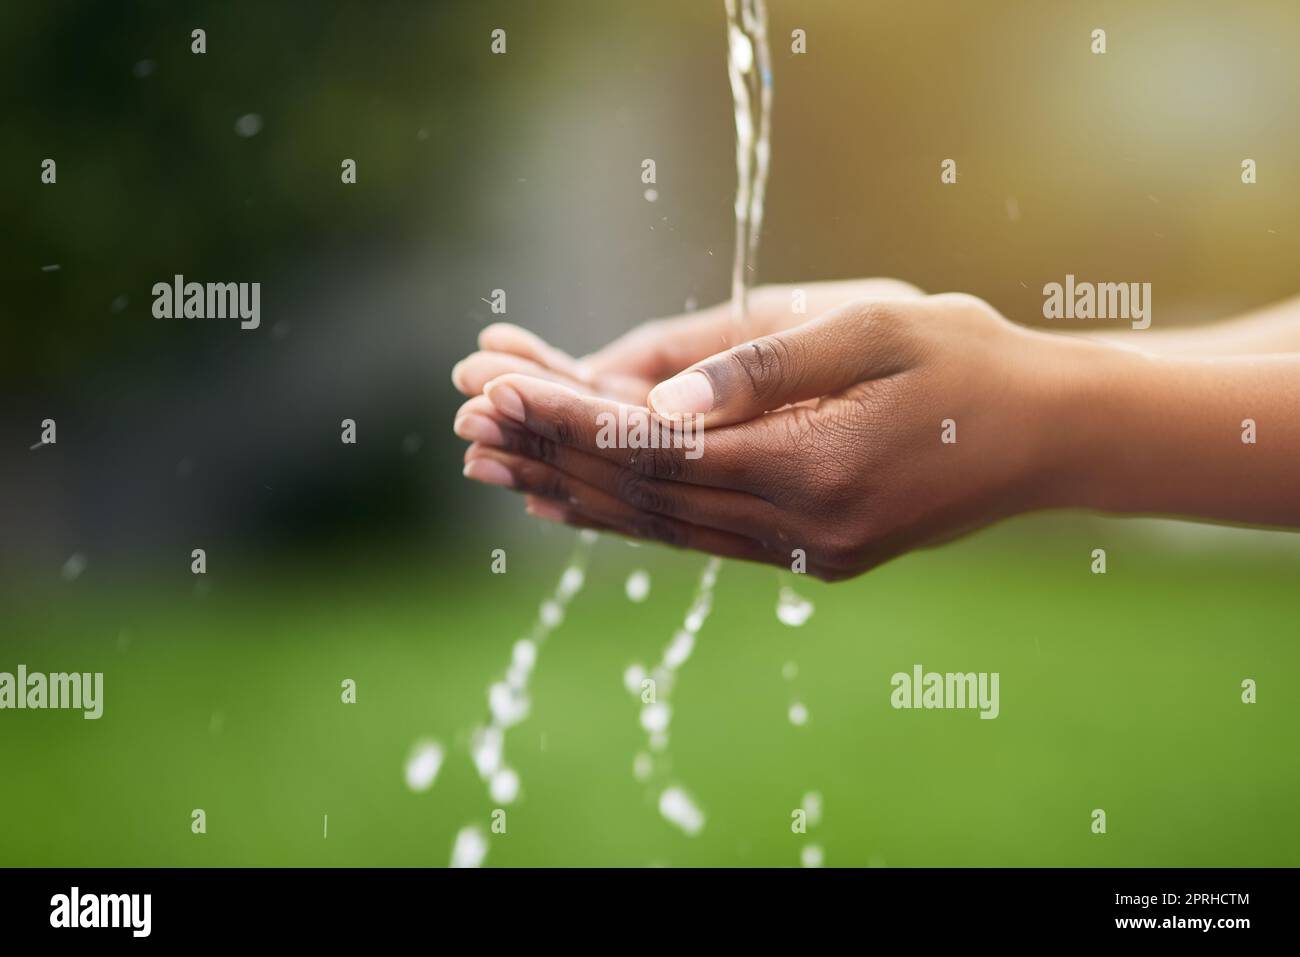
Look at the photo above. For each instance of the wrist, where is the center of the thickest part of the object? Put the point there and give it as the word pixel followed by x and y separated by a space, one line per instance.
pixel 1140 433
pixel 1094 438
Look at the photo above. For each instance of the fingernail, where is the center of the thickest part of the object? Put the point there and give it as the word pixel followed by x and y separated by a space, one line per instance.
pixel 507 400
pixel 486 470
pixel 552 513
pixel 473 427
pixel 688 394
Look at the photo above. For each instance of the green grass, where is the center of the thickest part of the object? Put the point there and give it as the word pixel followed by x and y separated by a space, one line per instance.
pixel 1119 691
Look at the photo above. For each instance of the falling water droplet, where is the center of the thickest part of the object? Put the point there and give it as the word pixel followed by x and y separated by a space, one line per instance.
pixel 812 856
pixel 679 649
pixel 798 714
pixel 677 807
pixel 570 582
pixel 525 655
pixel 792 609
pixel 250 124
pixel 504 787
pixel 485 749
pixel 643 766
pixel 74 566
pixel 638 585
pixel 812 806
pixel 790 670
pixel 551 614
pixel 423 765
pixel 656 717
pixel 508 704
pixel 632 678
pixel 470 848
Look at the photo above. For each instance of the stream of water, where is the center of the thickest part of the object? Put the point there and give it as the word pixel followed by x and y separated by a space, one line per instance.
pixel 749 70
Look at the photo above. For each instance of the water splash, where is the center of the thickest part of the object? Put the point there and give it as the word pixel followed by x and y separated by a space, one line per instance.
pixel 798 714
pixel 791 608
pixel 812 806
pixel 508 699
pixel 423 765
pixel 470 848
pixel 812 855
pixel 678 807
pixel 638 586
pixel 654 687
pixel 508 705
pixel 749 69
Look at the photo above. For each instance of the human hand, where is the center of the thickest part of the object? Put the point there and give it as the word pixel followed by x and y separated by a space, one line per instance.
pixel 629 367
pixel 879 427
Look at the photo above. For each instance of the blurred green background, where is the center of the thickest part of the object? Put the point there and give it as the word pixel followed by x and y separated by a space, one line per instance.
pixel 371 562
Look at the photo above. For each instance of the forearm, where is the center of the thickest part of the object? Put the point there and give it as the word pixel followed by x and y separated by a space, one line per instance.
pixel 1170 435
pixel 1271 329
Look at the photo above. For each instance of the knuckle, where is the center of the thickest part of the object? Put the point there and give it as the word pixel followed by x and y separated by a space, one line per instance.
pixel 547 483
pixel 658 463
pixel 534 446
pixel 642 493
pixel 565 431
pixel 877 316
pixel 842 550
pixel 764 364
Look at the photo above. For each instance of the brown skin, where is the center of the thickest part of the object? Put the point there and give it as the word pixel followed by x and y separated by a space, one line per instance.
pixel 825 435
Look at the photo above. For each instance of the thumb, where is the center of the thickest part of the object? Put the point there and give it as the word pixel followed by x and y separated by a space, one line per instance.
pixel 833 352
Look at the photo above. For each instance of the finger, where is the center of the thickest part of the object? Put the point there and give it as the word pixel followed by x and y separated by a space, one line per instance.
pixel 724 509
pixel 539 479
pixel 621 433
pixel 507 337
pixel 664 347
pixel 855 342
pixel 478 421
pixel 470 374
